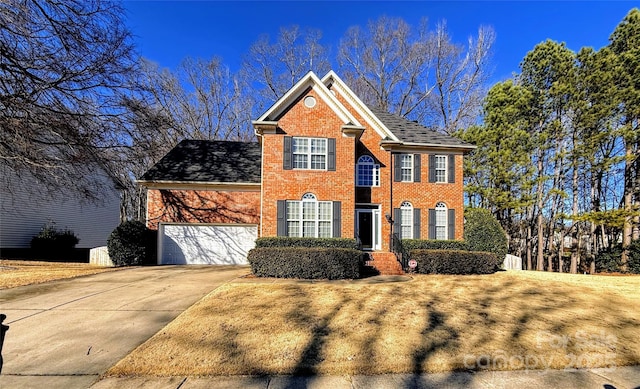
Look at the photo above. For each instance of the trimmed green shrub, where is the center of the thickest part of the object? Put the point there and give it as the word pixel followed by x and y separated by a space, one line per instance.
pixel 482 232
pixel 421 244
pixel 284 241
pixel 454 262
pixel 130 244
pixel 306 263
pixel 51 243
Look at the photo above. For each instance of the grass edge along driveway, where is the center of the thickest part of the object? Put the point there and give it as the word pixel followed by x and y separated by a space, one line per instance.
pixel 435 323
pixel 14 273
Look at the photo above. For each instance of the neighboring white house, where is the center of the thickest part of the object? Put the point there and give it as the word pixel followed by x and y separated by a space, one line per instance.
pixel 23 214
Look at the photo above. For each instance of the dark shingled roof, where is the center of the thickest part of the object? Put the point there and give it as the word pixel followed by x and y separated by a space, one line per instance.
pixel 209 161
pixel 412 132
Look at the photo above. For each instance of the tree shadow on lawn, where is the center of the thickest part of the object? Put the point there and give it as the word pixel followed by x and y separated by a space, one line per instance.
pixel 473 323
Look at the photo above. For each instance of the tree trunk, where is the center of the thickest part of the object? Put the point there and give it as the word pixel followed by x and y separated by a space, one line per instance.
pixel 540 262
pixel 627 231
pixel 528 246
pixel 575 233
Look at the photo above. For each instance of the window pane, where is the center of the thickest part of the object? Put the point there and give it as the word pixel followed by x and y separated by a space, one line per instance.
pixel 324 229
pixel 318 146
pixel 300 161
pixel 324 210
pixel 309 210
pixel 293 210
pixel 365 175
pixel 406 167
pixel 406 227
pixel 309 229
pixel 293 228
pixel 300 145
pixel 318 162
pixel 441 221
pixel 441 168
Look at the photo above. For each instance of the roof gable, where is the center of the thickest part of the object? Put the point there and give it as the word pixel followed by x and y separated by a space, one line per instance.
pixel 392 127
pixel 310 80
pixel 332 79
pixel 208 161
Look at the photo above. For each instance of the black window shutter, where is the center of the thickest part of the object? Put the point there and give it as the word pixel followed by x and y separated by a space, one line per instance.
pixel 432 168
pixel 416 223
pixel 287 154
pixel 397 168
pixel 337 219
pixel 432 224
pixel 416 167
pixel 331 154
pixel 451 220
pixel 282 218
pixel 397 221
pixel 452 168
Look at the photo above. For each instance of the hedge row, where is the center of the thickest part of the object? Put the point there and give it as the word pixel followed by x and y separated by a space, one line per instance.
pixel 421 244
pixel 454 262
pixel 343 243
pixel 307 263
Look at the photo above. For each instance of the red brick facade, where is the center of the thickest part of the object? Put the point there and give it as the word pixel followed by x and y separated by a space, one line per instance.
pixel 202 206
pixel 321 121
pixel 326 119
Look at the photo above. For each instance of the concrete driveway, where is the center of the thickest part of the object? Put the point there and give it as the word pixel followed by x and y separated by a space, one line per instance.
pixel 64 334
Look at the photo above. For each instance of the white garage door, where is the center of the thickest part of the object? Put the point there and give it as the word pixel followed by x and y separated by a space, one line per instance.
pixel 193 244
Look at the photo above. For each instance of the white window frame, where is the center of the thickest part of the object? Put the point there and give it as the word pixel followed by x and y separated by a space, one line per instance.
pixel 367 162
pixel 441 221
pixel 307 212
pixel 406 220
pixel 441 168
pixel 406 171
pixel 308 152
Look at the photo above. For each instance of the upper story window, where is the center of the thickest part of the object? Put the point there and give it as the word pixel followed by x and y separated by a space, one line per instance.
pixel 367 172
pixel 309 217
pixel 406 167
pixel 309 153
pixel 406 220
pixel 441 168
pixel 441 221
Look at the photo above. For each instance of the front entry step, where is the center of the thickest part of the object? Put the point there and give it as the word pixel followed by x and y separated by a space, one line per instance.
pixel 385 262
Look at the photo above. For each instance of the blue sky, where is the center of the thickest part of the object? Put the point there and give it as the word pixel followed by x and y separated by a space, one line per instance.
pixel 168 31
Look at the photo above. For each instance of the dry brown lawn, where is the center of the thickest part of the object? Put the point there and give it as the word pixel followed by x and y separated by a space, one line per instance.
pixel 20 273
pixel 504 321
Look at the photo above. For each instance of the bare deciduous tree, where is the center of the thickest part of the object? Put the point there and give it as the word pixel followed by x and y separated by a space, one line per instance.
pixel 419 74
pixel 62 67
pixel 270 69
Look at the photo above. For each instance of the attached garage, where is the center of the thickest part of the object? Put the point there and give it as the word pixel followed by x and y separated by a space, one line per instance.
pixel 204 244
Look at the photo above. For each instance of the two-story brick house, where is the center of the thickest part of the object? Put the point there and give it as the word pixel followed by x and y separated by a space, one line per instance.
pixel 328 166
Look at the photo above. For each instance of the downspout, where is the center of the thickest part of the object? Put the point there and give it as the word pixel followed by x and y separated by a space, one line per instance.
pixel 390 218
